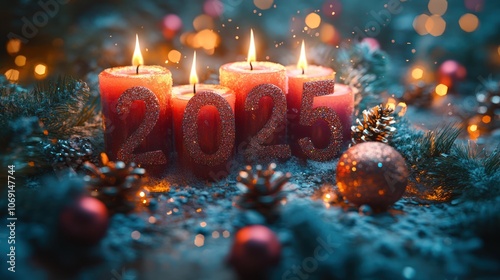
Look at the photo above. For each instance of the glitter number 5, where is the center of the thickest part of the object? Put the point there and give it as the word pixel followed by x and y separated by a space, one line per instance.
pixel 275 122
pixel 190 128
pixel 308 116
pixel 151 116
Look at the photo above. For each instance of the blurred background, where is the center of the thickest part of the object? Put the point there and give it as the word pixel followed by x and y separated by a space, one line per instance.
pixel 42 38
pixel 437 54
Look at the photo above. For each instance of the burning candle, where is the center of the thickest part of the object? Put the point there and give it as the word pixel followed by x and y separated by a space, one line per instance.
pixel 135 105
pixel 260 89
pixel 204 127
pixel 319 113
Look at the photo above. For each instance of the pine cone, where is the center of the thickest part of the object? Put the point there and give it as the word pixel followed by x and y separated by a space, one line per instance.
pixel 117 184
pixel 419 94
pixel 263 189
pixel 376 125
pixel 70 153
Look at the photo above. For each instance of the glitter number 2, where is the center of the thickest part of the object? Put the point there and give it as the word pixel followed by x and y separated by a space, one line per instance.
pixel 276 121
pixel 190 128
pixel 151 116
pixel 308 116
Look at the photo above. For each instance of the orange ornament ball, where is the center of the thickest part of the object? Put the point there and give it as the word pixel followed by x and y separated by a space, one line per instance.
pixel 372 173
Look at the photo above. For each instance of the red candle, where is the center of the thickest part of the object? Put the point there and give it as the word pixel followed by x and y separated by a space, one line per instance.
pixel 204 127
pixel 322 131
pixel 260 89
pixel 135 105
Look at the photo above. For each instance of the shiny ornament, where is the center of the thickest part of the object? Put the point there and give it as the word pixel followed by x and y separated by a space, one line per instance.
pixel 372 173
pixel 451 72
pixel 84 221
pixel 256 249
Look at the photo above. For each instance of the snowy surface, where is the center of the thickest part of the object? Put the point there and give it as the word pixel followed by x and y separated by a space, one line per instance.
pixel 188 234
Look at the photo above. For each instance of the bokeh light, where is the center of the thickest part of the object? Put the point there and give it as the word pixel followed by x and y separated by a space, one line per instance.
pixel 328 34
pixel 172 22
pixel 313 20
pixel 20 60
pixel 199 240
pixel 187 38
pixel 435 25
pixel 40 70
pixel 473 131
pixel 438 7
pixel 469 22
pixel 419 24
pixel 417 73
pixel 135 235
pixel 206 39
pixel 12 75
pixel 203 22
pixel 263 4
pixel 441 90
pixel 372 43
pixel 174 56
pixel 171 25
pixel 13 46
pixel 213 8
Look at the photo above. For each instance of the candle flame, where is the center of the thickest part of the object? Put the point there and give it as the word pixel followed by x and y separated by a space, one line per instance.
pixel 193 77
pixel 137 57
pixel 302 64
pixel 252 56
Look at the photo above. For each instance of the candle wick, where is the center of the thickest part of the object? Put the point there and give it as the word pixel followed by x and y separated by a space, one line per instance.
pixel 194 88
pixel 137 70
pixel 251 66
pixel 303 70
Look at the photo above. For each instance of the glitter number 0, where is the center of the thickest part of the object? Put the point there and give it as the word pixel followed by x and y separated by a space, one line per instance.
pixel 190 128
pixel 276 121
pixel 151 116
pixel 308 116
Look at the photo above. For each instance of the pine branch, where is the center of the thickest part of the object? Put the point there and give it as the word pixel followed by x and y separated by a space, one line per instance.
pixel 61 104
pixel 364 69
pixel 440 168
pixel 492 162
pixel 439 143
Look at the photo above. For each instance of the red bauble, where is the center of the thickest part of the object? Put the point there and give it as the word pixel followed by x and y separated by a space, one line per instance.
pixel 372 173
pixel 451 72
pixel 85 221
pixel 256 248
